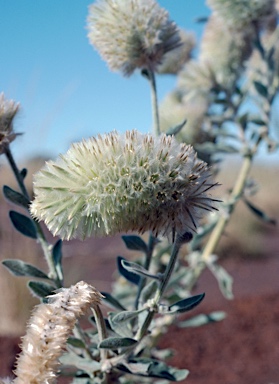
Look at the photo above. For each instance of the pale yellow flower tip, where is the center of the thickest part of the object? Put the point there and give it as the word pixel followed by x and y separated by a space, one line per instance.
pixel 131 34
pixel 123 182
pixel 8 110
pixel 48 330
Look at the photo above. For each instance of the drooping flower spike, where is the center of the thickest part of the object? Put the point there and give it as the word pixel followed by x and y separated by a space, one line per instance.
pixel 49 328
pixel 123 182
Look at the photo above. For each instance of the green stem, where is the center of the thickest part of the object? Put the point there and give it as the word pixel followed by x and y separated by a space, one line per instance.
pixel 223 220
pixel 41 237
pixel 147 261
pixel 154 102
pixel 101 328
pixel 160 291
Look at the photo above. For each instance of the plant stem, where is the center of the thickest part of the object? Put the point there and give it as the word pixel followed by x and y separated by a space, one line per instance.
pixel 147 261
pixel 46 247
pixel 101 328
pixel 234 197
pixel 154 102
pixel 160 291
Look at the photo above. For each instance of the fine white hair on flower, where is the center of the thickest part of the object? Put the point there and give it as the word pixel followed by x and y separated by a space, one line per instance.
pixel 48 330
pixel 131 34
pixel 123 182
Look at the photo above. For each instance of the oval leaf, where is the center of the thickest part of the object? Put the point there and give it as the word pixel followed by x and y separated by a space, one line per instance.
pixel 186 304
pixel 135 243
pixel 200 320
pixel 40 289
pixel 224 279
pixel 57 252
pixel 20 268
pixel 137 269
pixel 112 301
pixel 131 277
pixel 125 316
pixel 23 224
pixel 15 197
pixel 117 342
pixel 261 89
pixel 77 343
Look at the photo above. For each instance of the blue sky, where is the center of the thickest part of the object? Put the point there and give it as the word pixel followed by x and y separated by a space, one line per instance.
pixel 65 90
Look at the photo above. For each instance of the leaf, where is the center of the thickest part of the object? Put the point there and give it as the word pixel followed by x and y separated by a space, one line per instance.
pixel 260 214
pixel 135 243
pixel 57 252
pixel 20 268
pixel 131 277
pixel 77 343
pixel 186 304
pixel 15 197
pixel 154 368
pixel 23 173
pixel 175 130
pixel 84 364
pixel 200 320
pixel 122 329
pixel 261 89
pixel 40 289
pixel 125 316
pixel 23 224
pixel 137 269
pixel 211 148
pixel 148 292
pixel 224 279
pixel 117 342
pixel 112 301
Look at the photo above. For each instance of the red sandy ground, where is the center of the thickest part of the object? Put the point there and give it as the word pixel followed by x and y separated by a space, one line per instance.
pixel 242 349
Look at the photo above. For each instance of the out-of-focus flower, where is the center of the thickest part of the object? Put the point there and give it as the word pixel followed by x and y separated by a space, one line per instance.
pixel 224 49
pixel 48 330
pixel 240 13
pixel 174 109
pixel 119 183
pixel 196 78
pixel 131 34
pixel 8 110
pixel 174 60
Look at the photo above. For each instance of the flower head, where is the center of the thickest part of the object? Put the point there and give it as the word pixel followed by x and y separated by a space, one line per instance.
pixel 224 49
pixel 8 110
pixel 131 34
pixel 119 183
pixel 241 13
pixel 49 328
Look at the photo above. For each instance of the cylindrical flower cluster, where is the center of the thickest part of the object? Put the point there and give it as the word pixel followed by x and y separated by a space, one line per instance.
pixel 119 183
pixel 131 34
pixel 224 49
pixel 48 330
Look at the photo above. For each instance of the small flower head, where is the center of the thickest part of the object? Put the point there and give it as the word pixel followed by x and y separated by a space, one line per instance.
pixel 119 183
pixel 8 110
pixel 240 13
pixel 131 34
pixel 49 328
